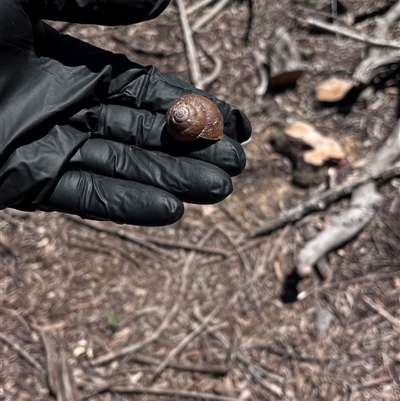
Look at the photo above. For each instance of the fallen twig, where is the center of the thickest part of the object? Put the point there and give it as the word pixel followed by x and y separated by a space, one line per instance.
pixel 322 201
pixel 210 369
pixel 345 283
pixel 372 383
pixel 59 374
pixel 14 313
pixel 260 62
pixel 209 79
pixel 147 240
pixel 121 233
pixel 21 352
pixel 210 15
pixel 194 66
pixel 198 6
pixel 188 339
pixel 160 392
pixel 382 311
pixel 350 33
pixel 104 248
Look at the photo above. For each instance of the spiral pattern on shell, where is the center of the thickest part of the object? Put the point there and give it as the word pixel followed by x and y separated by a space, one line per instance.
pixel 194 116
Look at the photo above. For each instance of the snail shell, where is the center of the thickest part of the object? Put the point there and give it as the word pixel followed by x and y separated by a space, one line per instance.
pixel 194 116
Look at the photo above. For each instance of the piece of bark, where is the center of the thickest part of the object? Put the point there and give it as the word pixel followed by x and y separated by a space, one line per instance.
pixel 285 59
pixel 364 201
pixel 333 89
pixel 310 152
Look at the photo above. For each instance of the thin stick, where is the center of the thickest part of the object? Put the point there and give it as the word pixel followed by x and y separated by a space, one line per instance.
pixel 213 12
pixel 198 6
pixel 210 369
pixel 373 383
pixel 14 313
pixel 21 352
pixel 382 311
pixel 260 60
pixel 147 240
pixel 322 201
pixel 349 33
pixel 122 234
pixel 209 79
pixel 105 249
pixel 194 66
pixel 160 392
pixel 187 340
pixel 165 323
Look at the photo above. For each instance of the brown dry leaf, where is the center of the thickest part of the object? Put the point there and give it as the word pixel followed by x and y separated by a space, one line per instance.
pixel 324 148
pixel 333 89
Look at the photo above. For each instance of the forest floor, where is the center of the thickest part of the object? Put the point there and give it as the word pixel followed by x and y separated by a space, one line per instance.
pixel 114 301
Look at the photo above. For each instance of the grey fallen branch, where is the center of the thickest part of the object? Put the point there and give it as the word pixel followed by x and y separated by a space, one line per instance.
pixel 364 201
pixel 322 201
pixel 350 33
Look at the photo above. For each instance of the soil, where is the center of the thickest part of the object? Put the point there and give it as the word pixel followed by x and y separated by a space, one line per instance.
pixel 95 291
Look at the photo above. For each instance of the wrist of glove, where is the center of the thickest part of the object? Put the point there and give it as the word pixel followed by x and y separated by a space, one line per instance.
pixel 83 130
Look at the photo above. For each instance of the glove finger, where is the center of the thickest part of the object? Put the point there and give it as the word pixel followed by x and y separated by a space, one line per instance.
pixel 96 197
pixel 105 12
pixel 155 92
pixel 189 180
pixel 147 130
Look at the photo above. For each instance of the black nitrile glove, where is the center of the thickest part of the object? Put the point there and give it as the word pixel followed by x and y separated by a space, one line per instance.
pixel 83 130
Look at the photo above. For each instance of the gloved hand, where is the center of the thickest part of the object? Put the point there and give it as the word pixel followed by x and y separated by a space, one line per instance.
pixel 83 130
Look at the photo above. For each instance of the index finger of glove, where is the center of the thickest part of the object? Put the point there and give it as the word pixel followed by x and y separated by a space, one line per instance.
pixel 147 130
pixel 155 92
pixel 105 12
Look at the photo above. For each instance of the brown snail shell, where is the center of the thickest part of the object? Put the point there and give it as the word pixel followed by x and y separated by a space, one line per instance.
pixel 194 116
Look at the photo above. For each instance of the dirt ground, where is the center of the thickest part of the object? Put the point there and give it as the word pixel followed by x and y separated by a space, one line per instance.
pixel 101 289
